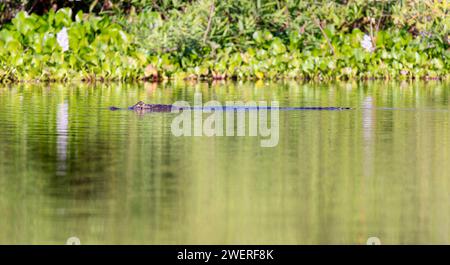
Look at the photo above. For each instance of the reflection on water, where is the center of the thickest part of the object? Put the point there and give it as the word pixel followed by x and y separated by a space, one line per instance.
pixel 70 167
pixel 368 113
pixel 62 122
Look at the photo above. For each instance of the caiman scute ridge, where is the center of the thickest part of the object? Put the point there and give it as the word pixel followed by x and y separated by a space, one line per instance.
pixel 143 107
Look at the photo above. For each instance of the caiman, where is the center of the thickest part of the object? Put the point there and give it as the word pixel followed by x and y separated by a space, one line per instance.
pixel 143 107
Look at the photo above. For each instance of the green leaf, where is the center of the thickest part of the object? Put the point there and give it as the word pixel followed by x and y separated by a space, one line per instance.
pixel 277 47
pixel 258 37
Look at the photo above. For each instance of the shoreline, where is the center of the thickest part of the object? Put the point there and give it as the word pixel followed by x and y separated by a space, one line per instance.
pixel 232 79
pixel 101 81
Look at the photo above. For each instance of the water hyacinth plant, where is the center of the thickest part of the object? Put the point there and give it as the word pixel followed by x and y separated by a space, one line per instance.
pixel 63 39
pixel 207 39
pixel 57 47
pixel 366 43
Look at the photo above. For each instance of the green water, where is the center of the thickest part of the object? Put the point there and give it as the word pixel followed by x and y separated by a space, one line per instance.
pixel 71 167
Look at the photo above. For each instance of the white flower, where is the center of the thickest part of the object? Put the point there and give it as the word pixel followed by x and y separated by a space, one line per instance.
pixel 63 39
pixel 367 44
pixel 347 70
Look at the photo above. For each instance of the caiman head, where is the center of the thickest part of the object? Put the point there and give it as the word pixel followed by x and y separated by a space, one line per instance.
pixel 142 107
pixel 139 105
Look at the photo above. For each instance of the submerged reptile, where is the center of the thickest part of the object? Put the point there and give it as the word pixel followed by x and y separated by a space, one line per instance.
pixel 143 107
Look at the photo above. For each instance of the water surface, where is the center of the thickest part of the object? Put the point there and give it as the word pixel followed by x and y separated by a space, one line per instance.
pixel 70 167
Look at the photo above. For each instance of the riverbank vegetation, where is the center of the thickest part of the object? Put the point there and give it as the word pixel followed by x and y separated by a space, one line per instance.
pixel 230 39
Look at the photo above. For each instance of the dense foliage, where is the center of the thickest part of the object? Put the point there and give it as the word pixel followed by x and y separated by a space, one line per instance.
pixel 139 39
pixel 97 48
